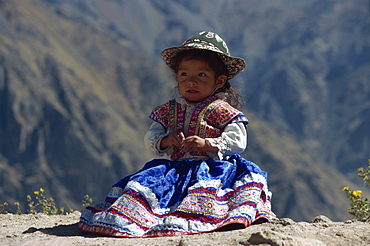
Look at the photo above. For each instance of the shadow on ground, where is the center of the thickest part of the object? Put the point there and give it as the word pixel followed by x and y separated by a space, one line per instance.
pixel 63 231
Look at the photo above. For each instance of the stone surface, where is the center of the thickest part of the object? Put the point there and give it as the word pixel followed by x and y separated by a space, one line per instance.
pixel 42 230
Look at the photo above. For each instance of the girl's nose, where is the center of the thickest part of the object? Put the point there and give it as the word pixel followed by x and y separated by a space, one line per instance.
pixel 191 83
pixel 192 80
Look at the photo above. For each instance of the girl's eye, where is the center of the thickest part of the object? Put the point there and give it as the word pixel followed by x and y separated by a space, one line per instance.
pixel 201 74
pixel 183 74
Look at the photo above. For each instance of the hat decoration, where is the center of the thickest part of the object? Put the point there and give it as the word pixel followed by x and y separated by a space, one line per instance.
pixel 206 41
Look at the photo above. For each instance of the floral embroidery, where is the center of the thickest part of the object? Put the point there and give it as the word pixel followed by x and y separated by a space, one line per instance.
pixel 206 205
pixel 208 120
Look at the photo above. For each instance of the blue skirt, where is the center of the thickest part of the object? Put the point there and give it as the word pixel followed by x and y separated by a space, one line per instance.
pixel 167 198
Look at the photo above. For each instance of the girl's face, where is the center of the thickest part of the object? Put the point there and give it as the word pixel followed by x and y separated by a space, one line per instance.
pixel 196 80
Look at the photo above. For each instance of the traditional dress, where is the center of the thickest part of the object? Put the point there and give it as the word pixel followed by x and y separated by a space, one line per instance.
pixel 192 192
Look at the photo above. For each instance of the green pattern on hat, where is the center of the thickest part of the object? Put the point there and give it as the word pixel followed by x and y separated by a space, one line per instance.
pixel 206 41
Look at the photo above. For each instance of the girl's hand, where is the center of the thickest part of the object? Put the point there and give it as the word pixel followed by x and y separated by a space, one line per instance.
pixel 174 139
pixel 195 143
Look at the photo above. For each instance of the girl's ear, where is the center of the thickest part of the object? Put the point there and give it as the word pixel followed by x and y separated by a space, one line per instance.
pixel 220 81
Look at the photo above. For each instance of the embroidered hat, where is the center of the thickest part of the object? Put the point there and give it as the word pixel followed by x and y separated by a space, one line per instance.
pixel 206 41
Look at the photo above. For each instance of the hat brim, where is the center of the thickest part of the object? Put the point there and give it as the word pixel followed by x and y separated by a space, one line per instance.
pixel 233 64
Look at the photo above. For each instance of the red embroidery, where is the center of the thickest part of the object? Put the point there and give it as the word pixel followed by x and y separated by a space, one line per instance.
pixel 208 120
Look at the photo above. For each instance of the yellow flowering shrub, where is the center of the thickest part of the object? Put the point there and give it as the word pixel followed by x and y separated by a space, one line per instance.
pixel 2 208
pixel 360 206
pixel 42 204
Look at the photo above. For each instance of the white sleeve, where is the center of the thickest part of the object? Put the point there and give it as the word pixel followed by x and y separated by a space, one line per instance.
pixel 232 141
pixel 153 138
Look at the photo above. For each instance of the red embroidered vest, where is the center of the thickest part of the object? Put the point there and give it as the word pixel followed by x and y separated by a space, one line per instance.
pixel 208 120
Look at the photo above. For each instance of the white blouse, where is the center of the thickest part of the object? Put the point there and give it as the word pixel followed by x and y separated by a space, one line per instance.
pixel 233 140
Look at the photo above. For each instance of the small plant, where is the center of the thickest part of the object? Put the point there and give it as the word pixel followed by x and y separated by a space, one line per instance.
pixel 2 208
pixel 45 205
pixel 87 201
pixel 42 204
pixel 18 206
pixel 360 206
pixel 31 205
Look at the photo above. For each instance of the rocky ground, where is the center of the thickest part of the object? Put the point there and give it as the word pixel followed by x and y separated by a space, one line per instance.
pixel 42 229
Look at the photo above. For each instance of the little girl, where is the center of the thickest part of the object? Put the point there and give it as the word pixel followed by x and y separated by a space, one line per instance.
pixel 206 185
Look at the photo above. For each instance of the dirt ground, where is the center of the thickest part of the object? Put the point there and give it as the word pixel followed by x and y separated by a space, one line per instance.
pixel 41 229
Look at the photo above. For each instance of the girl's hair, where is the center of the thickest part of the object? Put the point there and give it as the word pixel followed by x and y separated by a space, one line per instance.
pixel 230 94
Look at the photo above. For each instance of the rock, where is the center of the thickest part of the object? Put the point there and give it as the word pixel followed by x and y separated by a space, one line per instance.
pixel 321 219
pixel 287 221
pixel 29 229
pixel 182 242
pixel 273 238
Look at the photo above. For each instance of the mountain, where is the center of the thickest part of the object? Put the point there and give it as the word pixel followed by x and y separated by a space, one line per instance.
pixel 67 105
pixel 78 80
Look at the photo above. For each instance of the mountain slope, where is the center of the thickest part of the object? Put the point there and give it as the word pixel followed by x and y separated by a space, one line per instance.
pixel 63 111
pixel 301 185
